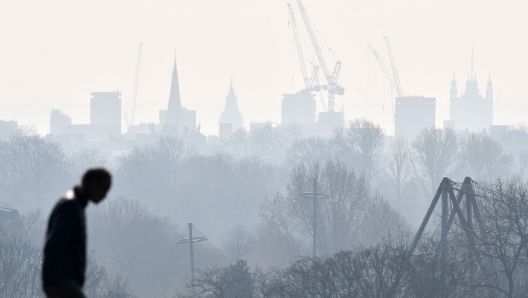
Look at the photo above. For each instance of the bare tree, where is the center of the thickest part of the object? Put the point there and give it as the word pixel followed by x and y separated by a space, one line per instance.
pixel 268 143
pixel 522 162
pixel 238 242
pixel 308 151
pixel 83 159
pixel 505 236
pixel 341 217
pixel 361 272
pixel 152 170
pixel 32 169
pixel 128 238
pixel 19 268
pixel 142 244
pixel 435 151
pixel 235 281
pixel 363 143
pixel 483 158
pixel 398 162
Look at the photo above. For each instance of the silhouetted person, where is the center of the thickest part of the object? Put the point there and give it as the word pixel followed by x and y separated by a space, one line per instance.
pixel 65 249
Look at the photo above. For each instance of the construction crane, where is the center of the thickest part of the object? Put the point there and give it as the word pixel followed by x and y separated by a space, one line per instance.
pixel 138 64
pixel 312 83
pixel 331 77
pixel 383 67
pixel 395 74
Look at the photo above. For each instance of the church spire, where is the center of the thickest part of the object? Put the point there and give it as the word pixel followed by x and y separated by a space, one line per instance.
pixel 174 108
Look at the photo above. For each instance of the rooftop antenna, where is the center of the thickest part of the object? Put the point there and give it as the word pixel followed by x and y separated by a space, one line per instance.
pixel 138 64
pixel 472 63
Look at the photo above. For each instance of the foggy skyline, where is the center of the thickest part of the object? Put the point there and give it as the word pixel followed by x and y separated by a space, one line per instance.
pixel 55 54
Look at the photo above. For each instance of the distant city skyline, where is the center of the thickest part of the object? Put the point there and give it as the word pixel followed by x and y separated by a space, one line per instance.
pixel 56 54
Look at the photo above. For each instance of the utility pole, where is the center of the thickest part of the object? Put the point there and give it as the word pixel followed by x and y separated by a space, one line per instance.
pixel 190 240
pixel 315 196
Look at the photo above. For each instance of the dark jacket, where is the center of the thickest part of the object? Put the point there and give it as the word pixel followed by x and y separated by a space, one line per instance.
pixel 65 248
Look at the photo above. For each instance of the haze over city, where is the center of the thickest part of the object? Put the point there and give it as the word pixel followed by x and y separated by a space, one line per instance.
pixel 263 149
pixel 55 54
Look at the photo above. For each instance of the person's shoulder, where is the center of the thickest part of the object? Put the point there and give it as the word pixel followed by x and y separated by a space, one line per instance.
pixel 67 201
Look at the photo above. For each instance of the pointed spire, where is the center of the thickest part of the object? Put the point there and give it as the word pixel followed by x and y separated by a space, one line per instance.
pixel 231 114
pixel 231 98
pixel 174 108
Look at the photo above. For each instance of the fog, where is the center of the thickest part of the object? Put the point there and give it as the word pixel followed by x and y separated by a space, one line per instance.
pixel 57 53
pixel 228 134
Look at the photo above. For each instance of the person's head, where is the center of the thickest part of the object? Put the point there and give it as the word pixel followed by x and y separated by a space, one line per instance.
pixel 95 184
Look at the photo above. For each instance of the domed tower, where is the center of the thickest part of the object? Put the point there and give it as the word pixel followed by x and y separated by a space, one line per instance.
pixel 231 114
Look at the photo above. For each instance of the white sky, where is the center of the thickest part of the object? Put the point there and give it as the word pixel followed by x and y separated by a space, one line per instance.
pixel 53 54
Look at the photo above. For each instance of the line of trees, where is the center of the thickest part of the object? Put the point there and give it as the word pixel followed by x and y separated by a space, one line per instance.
pixel 249 205
pixel 494 264
pixel 21 263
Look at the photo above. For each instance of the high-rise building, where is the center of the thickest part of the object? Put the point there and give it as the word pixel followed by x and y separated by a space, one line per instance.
pixel 231 114
pixel 105 113
pixel 298 108
pixel 59 123
pixel 471 111
pixel 412 114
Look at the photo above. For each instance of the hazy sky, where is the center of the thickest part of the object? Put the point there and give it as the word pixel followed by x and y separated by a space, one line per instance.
pixel 53 54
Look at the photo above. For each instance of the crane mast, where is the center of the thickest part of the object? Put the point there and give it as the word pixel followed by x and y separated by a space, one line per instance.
pixel 331 78
pixel 312 83
pixel 138 64
pixel 395 74
pixel 383 67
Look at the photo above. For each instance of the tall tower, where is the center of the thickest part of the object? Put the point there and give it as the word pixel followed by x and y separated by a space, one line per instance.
pixel 489 89
pixel 174 113
pixel 231 114
pixel 472 111
pixel 454 92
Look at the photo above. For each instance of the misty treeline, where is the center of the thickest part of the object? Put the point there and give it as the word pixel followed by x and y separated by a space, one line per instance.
pixel 21 263
pixel 490 260
pixel 243 194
